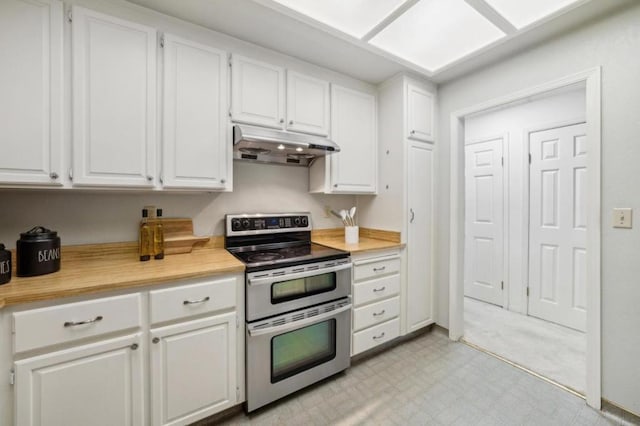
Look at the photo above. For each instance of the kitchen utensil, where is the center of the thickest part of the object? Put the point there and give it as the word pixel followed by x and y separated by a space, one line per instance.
pixel 352 214
pixel 38 252
pixel 343 215
pixel 5 265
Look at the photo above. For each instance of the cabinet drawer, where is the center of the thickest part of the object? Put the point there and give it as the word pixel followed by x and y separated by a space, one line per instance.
pixel 376 268
pixel 194 299
pixel 375 313
pixel 376 335
pixel 373 290
pixel 38 328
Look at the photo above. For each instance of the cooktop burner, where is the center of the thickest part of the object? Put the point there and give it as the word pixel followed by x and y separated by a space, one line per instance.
pixel 263 257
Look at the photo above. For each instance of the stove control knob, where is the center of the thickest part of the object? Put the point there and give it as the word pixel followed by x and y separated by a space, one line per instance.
pixel 305 221
pixel 235 224
pixel 296 221
pixel 245 223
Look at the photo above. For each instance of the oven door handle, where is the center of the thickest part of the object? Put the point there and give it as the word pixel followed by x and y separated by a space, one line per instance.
pixel 298 324
pixel 294 276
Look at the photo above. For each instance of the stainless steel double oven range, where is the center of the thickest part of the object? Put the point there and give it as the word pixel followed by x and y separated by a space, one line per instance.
pixel 298 304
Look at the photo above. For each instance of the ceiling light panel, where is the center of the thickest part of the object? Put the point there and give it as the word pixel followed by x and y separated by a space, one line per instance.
pixel 524 12
pixel 434 33
pixel 354 17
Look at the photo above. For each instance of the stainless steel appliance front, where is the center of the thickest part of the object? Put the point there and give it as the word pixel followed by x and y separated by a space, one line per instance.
pixel 292 351
pixel 276 291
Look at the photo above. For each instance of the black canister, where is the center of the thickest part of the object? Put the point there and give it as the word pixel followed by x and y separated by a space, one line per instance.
pixel 5 265
pixel 37 252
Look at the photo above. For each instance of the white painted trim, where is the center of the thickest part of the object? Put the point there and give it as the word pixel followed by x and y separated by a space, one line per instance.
pixel 592 78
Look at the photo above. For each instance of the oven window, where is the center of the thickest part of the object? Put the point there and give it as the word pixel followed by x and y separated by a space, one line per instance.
pixel 302 349
pixel 285 291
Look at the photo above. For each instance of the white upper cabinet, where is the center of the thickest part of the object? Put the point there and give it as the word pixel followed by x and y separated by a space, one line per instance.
pixel 353 127
pixel 420 114
pixel 31 92
pixel 114 101
pixel 195 148
pixel 308 105
pixel 257 93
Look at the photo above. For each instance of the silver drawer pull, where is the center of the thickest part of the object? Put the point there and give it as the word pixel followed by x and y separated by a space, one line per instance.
pixel 379 269
pixel 193 302
pixel 379 336
pixel 376 290
pixel 377 314
pixel 74 323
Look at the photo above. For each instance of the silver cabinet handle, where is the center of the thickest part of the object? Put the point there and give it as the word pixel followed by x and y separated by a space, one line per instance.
pixel 223 181
pixel 379 269
pixel 193 302
pixel 89 321
pixel 335 185
pixel 156 340
pixel 380 336
pixel 377 290
pixel 377 314
pixel 149 178
pixel 53 175
pixel 413 132
pixel 290 122
pixel 134 346
pixel 281 120
pixel 413 215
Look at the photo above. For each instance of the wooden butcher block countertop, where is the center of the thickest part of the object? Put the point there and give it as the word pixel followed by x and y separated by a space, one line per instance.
pixel 369 240
pixel 102 267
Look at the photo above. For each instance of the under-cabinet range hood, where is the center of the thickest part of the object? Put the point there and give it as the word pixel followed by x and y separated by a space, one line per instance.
pixel 277 146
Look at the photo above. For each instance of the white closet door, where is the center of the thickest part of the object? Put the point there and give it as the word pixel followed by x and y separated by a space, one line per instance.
pixel 484 226
pixel 558 224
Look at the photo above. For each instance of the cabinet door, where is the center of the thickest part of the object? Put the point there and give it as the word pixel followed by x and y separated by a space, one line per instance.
pixel 419 237
pixel 31 92
pixel 307 104
pixel 114 101
pixel 195 138
pixel 193 370
pixel 257 92
pixel 100 384
pixel 419 114
pixel 353 117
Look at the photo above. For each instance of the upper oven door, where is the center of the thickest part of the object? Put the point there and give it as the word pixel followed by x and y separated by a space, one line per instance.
pixel 282 290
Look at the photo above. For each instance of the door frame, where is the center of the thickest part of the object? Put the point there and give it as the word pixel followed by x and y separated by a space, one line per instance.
pixel 591 78
pixel 505 209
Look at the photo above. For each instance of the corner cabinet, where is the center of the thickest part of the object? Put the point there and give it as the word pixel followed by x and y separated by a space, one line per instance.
pixel 114 101
pixel 31 87
pixel 257 92
pixel 420 114
pixel 354 128
pixel 196 146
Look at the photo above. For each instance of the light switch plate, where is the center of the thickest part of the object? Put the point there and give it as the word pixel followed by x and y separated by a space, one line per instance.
pixel 622 218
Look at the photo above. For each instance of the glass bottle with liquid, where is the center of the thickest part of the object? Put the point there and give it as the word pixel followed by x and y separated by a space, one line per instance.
pixel 145 237
pixel 158 236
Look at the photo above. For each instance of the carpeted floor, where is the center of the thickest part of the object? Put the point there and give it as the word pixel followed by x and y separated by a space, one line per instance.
pixel 551 350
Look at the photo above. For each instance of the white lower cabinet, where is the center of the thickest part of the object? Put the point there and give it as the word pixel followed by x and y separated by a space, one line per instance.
pixel 99 362
pixel 376 301
pixel 99 384
pixel 193 369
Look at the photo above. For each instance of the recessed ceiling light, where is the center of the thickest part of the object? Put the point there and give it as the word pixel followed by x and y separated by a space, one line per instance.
pixel 299 149
pixel 434 33
pixel 354 17
pixel 524 12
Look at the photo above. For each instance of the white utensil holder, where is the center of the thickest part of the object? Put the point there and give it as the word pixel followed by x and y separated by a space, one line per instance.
pixel 351 234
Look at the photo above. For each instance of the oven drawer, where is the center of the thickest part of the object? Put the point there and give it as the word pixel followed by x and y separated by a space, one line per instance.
pixel 203 297
pixel 373 290
pixel 375 313
pixel 376 335
pixel 37 328
pixel 370 269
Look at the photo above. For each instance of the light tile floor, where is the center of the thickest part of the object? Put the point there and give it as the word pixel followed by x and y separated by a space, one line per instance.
pixel 429 380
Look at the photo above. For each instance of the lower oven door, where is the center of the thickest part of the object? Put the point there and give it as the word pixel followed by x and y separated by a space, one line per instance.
pixel 276 291
pixel 292 351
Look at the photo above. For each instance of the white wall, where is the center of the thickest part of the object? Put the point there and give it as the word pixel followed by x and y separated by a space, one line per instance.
pixel 612 42
pixel 99 217
pixel 514 123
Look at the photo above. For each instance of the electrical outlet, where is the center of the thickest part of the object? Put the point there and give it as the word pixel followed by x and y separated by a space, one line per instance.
pixel 327 211
pixel 622 218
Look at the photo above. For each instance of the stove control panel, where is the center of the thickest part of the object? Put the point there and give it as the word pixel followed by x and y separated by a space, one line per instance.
pixel 242 224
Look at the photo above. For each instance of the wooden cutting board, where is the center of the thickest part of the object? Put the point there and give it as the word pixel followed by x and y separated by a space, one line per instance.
pixel 178 235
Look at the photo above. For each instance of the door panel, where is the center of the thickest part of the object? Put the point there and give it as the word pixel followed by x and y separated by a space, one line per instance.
pixel 557 229
pixel 484 221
